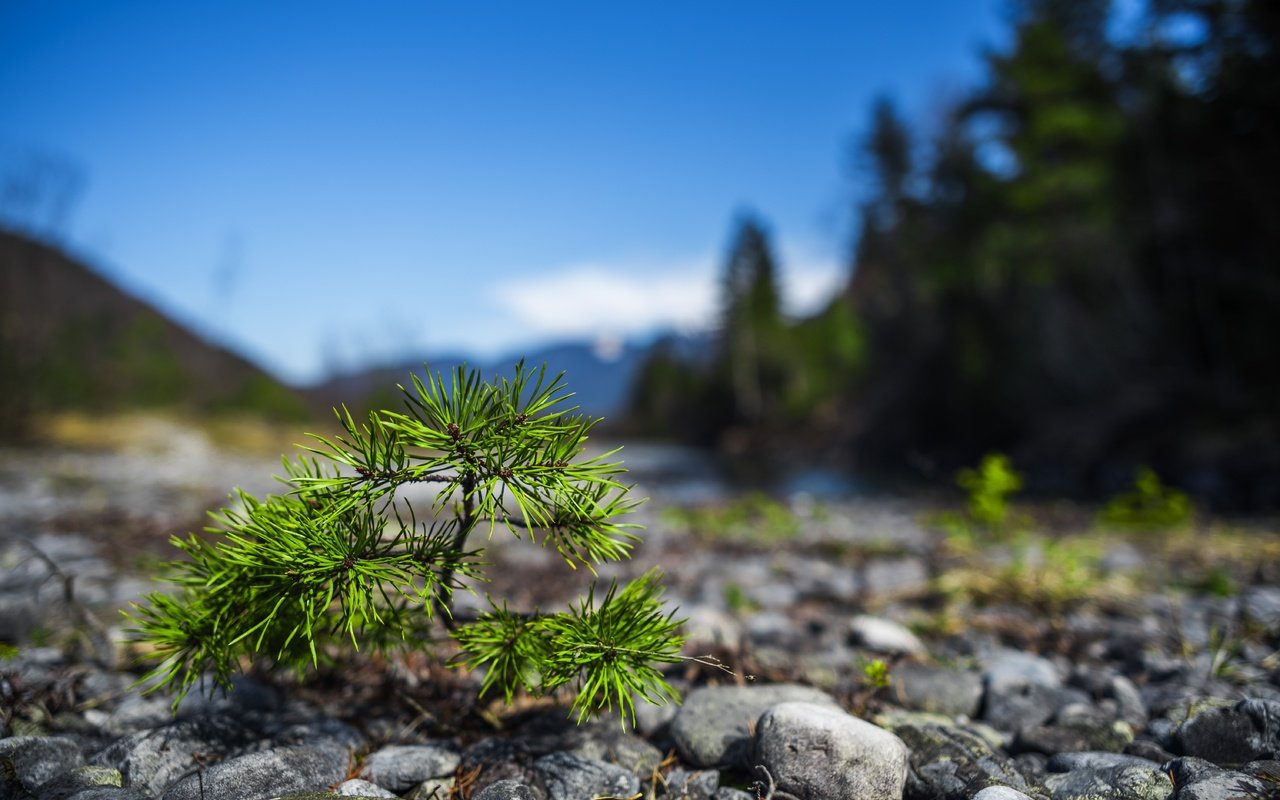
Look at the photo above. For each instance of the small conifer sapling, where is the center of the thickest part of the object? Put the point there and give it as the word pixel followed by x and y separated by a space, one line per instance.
pixel 342 558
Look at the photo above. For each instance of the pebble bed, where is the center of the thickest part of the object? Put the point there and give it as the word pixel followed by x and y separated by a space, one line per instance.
pixel 1168 694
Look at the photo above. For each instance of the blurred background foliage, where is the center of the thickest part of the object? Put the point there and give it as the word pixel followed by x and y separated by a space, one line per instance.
pixel 1079 266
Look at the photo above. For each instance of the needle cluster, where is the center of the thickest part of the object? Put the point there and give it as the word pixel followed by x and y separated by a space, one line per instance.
pixel 342 560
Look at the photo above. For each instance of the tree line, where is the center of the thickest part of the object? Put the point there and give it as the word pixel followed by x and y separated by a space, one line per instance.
pixel 1079 265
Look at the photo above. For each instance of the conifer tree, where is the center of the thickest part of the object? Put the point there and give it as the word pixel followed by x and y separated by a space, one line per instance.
pixel 343 559
pixel 752 322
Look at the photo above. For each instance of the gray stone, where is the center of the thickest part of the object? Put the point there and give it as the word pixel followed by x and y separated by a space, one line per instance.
pixel 155 758
pixel 684 785
pixel 1024 690
pixel 1128 699
pixel 243 694
pixel 1012 669
pixel 712 728
pixel 1073 737
pixel 432 789
pixel 572 777
pixel 109 793
pixel 1000 793
pixel 884 636
pixel 729 793
pixel 76 781
pixel 1262 606
pixel 921 687
pixel 816 751
pixel 605 741
pixel 1119 782
pixel 36 760
pixel 1066 762
pixel 137 713
pixel 1248 731
pixel 316 732
pixel 264 775
pixel 1148 749
pixel 1198 779
pixel 508 759
pixel 650 718
pixel 1013 707
pixel 359 787
pixel 402 767
pixel 953 763
pixel 505 790
pixel 895 576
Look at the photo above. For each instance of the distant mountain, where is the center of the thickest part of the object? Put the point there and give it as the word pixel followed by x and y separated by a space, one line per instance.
pixel 71 339
pixel 599 374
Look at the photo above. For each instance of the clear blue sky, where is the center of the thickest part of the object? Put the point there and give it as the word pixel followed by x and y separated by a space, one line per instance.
pixel 322 183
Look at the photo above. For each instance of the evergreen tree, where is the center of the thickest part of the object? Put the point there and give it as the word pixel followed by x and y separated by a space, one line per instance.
pixel 752 326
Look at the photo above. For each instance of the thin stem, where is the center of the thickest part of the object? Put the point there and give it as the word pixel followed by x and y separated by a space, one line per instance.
pixel 443 600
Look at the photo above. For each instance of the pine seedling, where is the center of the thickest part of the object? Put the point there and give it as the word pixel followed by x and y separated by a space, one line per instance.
pixel 342 560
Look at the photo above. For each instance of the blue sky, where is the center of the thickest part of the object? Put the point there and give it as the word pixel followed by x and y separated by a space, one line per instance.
pixel 324 184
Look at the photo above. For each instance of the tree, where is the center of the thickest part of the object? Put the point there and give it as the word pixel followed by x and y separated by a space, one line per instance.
pixel 752 325
pixel 342 557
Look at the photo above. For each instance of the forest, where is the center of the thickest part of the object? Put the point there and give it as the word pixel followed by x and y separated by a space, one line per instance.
pixel 1076 263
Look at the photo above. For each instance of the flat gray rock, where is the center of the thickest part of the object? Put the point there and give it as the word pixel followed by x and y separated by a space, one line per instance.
pixel 1247 731
pixel 359 787
pixel 953 763
pixel 264 775
pixel 75 782
pixel 935 690
pixel 505 790
pixel 572 777
pixel 818 752
pixel 35 760
pixel 1122 782
pixel 1000 793
pixel 884 636
pixel 712 728
pixel 153 759
pixel 399 768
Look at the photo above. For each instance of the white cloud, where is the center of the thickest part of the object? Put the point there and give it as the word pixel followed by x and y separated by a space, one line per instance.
pixel 629 298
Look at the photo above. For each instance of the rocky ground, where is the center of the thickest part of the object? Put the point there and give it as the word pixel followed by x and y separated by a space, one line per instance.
pixel 869 656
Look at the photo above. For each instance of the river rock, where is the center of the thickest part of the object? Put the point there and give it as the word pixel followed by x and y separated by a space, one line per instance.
pixel 1247 731
pixel 568 776
pixel 359 787
pixel 155 758
pixel 75 782
pixel 697 785
pixel 1073 736
pixel 712 728
pixel 1198 779
pixel 953 763
pixel 1066 762
pixel 605 741
pixel 402 767
pixel 31 761
pixel 1120 781
pixel 265 774
pixel 884 636
pixel 505 790
pixel 817 751
pixel 922 687
pixel 1000 793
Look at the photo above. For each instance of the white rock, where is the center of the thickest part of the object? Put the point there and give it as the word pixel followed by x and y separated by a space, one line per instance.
pixel 885 636
pixel 816 751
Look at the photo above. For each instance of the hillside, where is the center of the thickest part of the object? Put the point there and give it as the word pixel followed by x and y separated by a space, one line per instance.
pixel 601 381
pixel 72 340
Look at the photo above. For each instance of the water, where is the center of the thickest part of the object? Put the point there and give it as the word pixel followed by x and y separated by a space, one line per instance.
pixel 688 476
